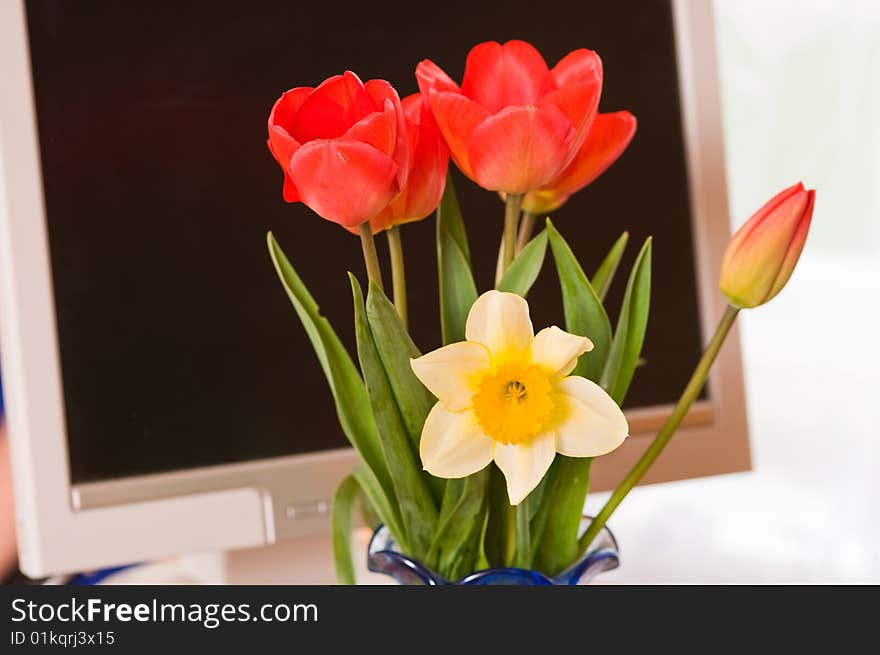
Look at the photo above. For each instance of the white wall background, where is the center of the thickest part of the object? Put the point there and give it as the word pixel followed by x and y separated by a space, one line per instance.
pixel 800 83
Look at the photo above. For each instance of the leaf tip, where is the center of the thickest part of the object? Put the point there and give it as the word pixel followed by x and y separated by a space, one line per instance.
pixel 355 284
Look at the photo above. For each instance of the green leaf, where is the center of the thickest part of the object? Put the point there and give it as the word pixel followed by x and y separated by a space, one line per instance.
pixel 584 313
pixel 368 513
pixel 417 509
pixel 379 500
pixel 500 542
pixel 343 506
pixel 457 289
pixel 349 394
pixel 482 562
pixel 449 211
pixel 396 348
pixel 537 494
pixel 455 551
pixel 539 509
pixel 631 326
pixel 565 505
pixel 524 270
pixel 604 275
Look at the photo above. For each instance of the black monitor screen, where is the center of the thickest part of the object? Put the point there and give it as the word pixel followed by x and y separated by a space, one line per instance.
pixel 178 345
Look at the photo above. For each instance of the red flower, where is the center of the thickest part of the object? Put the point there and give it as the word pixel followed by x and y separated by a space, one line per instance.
pixel 428 159
pixel 514 124
pixel 343 147
pixel 608 137
pixel 761 256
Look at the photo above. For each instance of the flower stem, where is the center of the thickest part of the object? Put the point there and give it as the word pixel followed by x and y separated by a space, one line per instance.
pixel 690 393
pixel 523 559
pixel 511 221
pixel 499 263
pixel 398 272
pixel 526 227
pixel 371 260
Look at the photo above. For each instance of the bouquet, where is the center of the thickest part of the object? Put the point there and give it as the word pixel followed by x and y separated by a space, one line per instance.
pixel 476 455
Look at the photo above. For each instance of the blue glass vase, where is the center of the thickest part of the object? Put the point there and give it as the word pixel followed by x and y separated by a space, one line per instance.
pixel 383 556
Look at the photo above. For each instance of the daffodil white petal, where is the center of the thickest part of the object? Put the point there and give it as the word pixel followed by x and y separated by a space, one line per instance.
pixel 567 369
pixel 525 463
pixel 453 445
pixel 500 321
pixel 449 372
pixel 555 350
pixel 588 422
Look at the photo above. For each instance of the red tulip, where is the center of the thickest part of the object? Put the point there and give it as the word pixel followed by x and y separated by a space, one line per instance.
pixel 514 124
pixel 343 147
pixel 608 137
pixel 428 159
pixel 761 256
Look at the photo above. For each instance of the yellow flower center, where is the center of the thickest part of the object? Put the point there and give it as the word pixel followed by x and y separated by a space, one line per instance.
pixel 513 401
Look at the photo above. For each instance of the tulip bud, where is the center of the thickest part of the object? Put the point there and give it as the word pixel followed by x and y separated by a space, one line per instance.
pixel 762 255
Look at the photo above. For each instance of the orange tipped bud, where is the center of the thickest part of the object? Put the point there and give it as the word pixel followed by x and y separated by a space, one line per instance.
pixel 762 255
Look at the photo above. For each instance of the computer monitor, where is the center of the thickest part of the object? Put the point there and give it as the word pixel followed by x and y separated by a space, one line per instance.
pixel 162 397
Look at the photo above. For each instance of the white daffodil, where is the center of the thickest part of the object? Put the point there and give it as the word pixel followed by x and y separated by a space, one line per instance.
pixel 505 394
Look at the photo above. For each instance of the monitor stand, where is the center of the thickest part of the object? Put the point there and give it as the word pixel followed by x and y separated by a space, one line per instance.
pixel 305 560
pixel 301 561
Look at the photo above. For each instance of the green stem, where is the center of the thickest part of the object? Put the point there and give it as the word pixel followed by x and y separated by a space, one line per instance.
pixel 526 227
pixel 374 273
pixel 523 559
pixel 690 393
pixel 398 272
pixel 499 263
pixel 511 222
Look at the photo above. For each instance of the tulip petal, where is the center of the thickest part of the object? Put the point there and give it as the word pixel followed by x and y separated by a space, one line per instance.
pixel 413 108
pixel 500 321
pixel 498 76
pixel 453 444
pixel 431 77
pixel 288 190
pixel 556 350
pixel 766 209
pixel 378 129
pixel 795 247
pixel 608 137
pixel 525 463
pixel 520 148
pixel 345 181
pixel 579 102
pixel 332 108
pixel 451 372
pixel 429 159
pixel 286 107
pixel 384 94
pixel 577 67
pixel 457 117
pixel 587 421
pixel 281 144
